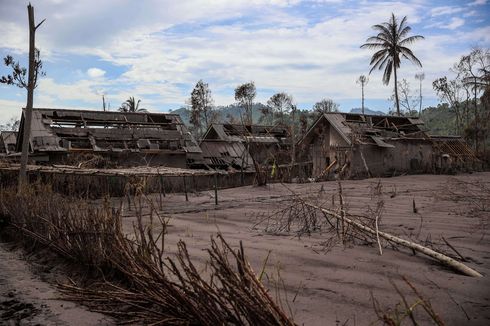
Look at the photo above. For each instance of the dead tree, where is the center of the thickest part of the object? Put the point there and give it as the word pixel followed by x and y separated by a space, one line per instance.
pixel 31 84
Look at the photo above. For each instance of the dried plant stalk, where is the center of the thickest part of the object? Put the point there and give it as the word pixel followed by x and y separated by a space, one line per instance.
pixel 137 282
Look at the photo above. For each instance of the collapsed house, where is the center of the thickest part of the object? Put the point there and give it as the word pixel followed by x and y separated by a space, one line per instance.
pixel 367 145
pixel 236 146
pixel 8 140
pixel 127 139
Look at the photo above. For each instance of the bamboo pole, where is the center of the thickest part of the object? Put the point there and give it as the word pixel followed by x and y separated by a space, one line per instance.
pixel 454 264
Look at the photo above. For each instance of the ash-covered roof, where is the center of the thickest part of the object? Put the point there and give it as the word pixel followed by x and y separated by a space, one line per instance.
pixel 8 140
pixel 247 133
pixel 353 127
pixel 56 130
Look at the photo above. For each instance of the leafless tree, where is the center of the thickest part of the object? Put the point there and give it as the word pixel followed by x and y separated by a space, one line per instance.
pixel 420 77
pixel 405 98
pixel 11 125
pixel 362 80
pixel 451 92
pixel 18 78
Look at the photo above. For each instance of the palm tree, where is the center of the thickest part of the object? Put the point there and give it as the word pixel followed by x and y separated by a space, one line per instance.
pixel 130 105
pixel 390 43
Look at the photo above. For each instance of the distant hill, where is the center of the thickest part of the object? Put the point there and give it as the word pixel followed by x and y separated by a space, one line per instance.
pixel 224 112
pixel 438 120
pixel 367 111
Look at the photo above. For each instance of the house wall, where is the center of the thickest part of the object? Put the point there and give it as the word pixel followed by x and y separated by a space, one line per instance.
pixel 320 149
pixel 408 156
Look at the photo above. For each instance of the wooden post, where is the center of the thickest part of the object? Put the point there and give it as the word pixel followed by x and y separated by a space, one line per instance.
pixel 216 188
pixel 185 189
pixel 242 180
pixel 160 193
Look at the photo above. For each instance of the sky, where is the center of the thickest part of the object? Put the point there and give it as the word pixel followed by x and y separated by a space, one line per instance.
pixel 157 50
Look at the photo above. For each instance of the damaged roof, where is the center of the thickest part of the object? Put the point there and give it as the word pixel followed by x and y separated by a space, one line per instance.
pixel 8 140
pixel 354 127
pixel 56 130
pixel 251 133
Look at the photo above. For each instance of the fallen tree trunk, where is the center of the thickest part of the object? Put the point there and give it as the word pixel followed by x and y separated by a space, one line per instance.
pixel 454 264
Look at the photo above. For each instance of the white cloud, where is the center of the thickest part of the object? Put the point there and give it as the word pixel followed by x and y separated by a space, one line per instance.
pixel 445 10
pixel 161 49
pixel 478 3
pixel 10 109
pixel 455 23
pixel 95 72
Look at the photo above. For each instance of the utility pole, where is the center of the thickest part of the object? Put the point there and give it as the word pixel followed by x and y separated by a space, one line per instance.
pixel 32 78
pixel 363 80
pixel 420 77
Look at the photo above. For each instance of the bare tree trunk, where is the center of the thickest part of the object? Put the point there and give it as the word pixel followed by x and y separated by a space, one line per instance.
pixel 362 87
pixel 293 137
pixel 477 119
pixel 396 92
pixel 456 265
pixel 30 100
pixel 420 98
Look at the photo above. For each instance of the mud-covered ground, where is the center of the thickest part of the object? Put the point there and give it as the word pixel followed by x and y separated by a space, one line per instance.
pixel 28 294
pixel 322 287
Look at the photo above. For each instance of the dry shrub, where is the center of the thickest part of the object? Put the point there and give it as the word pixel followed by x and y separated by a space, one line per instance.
pixel 406 311
pixel 473 198
pixel 137 282
pixel 78 231
pixel 304 219
pixel 90 161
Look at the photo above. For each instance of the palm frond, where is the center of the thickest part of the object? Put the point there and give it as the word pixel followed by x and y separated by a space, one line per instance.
pixel 373 46
pixel 387 73
pixel 410 40
pixel 408 54
pixel 402 27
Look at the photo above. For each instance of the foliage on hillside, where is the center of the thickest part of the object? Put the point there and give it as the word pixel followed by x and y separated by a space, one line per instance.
pixel 439 120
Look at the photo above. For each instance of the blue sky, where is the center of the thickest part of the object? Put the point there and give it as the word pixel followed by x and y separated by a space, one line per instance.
pixel 157 50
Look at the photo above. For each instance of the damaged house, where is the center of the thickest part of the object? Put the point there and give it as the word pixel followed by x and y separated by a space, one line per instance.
pixel 236 146
pixel 8 140
pixel 127 139
pixel 364 145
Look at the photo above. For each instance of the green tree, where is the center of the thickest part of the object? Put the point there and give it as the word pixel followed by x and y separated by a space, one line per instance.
pixel 201 105
pixel 391 46
pixel 131 105
pixel 245 95
pixel 325 105
pixel 280 104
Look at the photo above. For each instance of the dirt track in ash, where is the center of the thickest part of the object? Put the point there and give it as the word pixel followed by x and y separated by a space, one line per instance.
pixel 27 298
